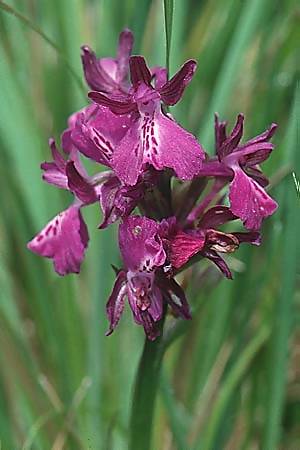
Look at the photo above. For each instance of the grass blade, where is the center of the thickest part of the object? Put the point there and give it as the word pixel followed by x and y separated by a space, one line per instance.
pixel 168 10
pixel 283 313
pixel 252 14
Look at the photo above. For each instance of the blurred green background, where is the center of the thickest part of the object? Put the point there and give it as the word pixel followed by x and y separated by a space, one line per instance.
pixel 231 379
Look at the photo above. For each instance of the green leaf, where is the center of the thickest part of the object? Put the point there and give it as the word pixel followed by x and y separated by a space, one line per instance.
pixel 168 9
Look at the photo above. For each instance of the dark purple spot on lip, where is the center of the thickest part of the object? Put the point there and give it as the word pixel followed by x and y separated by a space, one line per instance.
pixel 97 142
pixel 39 237
pixel 56 222
pixel 154 141
pixel 54 231
pixel 48 230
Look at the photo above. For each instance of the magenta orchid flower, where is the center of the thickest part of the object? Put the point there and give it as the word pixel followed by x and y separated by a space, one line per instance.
pixel 108 74
pixel 142 280
pixel 65 238
pixel 154 138
pixel 127 130
pixel 240 163
pixel 205 240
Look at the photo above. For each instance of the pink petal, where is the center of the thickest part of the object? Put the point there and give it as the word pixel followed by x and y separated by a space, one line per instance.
pixel 183 247
pixel 220 132
pixel 64 239
pixel 128 156
pixel 173 90
pixel 216 216
pixel 218 261
pixel 54 172
pixel 177 149
pixel 96 76
pixel 140 244
pixel 139 71
pixel 118 105
pixel 249 201
pixel 232 141
pixel 116 301
pixel 160 76
pixel 176 298
pixel 117 200
pixel 83 190
pixel 124 51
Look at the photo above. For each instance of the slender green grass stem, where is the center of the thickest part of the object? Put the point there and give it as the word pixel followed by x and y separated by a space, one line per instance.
pixel 143 403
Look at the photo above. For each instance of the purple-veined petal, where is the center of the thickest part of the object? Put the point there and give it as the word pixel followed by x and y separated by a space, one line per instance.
pixel 183 247
pixel 86 112
pixel 127 159
pixel 215 168
pixel 140 245
pixel 249 201
pixel 216 216
pixel 80 187
pixel 110 67
pixel 160 76
pixel 176 149
pixel 139 71
pixel 54 172
pixel 232 141
pixel 91 142
pixel 220 132
pixel 265 136
pixel 108 191
pixel 251 237
pixel 175 296
pixel 124 51
pixel 171 92
pixel 249 155
pixel 156 305
pixel 122 105
pixel 96 136
pixel 218 261
pixel 96 77
pixel 117 200
pixel 64 240
pixel 257 175
pixel 116 301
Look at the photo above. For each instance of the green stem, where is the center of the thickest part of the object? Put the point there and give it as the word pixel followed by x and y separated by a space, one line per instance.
pixel 143 403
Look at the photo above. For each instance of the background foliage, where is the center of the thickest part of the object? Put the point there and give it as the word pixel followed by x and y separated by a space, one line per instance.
pixel 231 380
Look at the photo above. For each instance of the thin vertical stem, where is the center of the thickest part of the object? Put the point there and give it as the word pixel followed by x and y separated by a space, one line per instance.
pixel 168 9
pixel 143 403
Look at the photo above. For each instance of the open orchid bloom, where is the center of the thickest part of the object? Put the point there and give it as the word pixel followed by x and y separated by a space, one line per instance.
pixel 153 138
pixel 240 164
pixel 205 240
pixel 108 74
pixel 127 130
pixel 65 238
pixel 142 280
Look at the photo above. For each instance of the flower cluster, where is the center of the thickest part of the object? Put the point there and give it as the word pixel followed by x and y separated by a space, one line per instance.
pixel 127 129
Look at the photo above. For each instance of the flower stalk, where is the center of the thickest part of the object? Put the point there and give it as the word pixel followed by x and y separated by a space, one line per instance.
pixel 144 396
